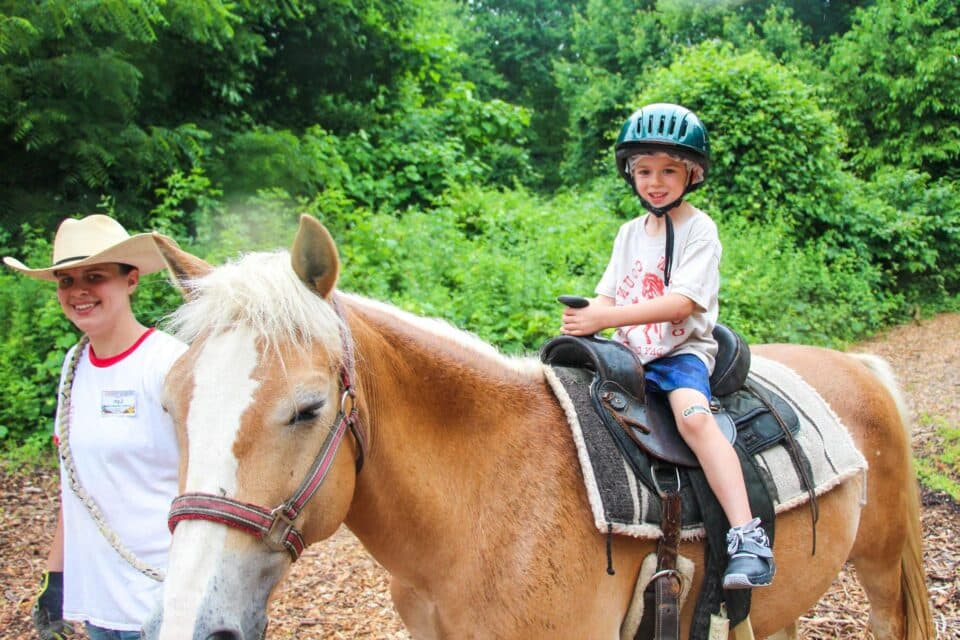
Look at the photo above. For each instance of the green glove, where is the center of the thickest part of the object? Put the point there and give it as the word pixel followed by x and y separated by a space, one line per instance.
pixel 48 609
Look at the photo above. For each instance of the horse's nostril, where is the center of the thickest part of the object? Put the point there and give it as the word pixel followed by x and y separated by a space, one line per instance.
pixel 223 635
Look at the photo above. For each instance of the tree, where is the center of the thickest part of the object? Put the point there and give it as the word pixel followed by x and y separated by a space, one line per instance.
pixel 523 40
pixel 894 79
pixel 112 97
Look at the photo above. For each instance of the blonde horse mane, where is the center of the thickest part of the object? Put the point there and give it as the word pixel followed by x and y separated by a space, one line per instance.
pixel 261 292
pixel 442 330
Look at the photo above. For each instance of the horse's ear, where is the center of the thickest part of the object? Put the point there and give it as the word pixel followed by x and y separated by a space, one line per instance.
pixel 182 266
pixel 314 256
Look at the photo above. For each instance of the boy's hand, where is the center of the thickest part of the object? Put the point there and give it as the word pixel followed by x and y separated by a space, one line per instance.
pixel 48 609
pixel 584 321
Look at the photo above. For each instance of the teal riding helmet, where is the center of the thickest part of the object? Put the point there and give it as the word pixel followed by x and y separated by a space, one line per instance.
pixel 663 127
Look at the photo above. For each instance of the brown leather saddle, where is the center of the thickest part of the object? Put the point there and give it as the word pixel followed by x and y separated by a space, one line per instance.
pixel 620 397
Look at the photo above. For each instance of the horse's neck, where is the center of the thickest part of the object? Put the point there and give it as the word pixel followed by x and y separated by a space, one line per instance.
pixel 461 444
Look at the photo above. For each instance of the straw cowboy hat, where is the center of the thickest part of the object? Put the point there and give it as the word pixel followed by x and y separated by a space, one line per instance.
pixel 95 239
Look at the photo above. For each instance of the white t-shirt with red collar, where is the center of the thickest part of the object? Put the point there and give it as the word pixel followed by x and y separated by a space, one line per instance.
pixel 635 272
pixel 125 453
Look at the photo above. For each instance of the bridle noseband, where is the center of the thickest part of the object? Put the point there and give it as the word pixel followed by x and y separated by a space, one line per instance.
pixel 275 526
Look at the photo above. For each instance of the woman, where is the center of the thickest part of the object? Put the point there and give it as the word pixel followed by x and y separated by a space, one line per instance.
pixel 118 450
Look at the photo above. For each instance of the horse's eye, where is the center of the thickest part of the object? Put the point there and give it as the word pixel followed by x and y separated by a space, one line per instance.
pixel 308 413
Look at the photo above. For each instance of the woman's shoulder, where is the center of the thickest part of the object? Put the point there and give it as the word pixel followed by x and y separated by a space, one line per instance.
pixel 162 341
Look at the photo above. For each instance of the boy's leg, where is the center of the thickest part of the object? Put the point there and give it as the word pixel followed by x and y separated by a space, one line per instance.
pixel 719 461
pixel 751 560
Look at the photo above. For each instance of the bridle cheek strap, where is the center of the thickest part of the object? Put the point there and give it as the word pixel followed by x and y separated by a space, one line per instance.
pixel 275 526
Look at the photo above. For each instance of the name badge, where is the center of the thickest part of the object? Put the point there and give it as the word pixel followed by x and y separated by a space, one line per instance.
pixel 118 403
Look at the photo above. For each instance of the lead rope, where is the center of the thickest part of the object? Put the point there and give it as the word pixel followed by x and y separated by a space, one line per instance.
pixel 67 456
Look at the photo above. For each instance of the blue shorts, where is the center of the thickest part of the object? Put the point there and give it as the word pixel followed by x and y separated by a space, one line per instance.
pixel 685 371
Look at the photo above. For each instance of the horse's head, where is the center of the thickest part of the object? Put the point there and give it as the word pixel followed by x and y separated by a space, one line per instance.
pixel 261 402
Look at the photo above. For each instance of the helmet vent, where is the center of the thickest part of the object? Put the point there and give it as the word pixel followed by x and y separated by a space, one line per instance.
pixel 683 128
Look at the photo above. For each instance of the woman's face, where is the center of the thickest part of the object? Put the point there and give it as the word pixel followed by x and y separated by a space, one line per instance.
pixel 659 178
pixel 96 297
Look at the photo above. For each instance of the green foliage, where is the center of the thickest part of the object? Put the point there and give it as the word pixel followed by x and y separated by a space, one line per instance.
pixel 335 64
pixel 183 198
pixel 70 103
pixel 35 339
pixel 909 228
pixel 595 97
pixel 111 97
pixel 428 148
pixel 261 158
pixel 774 291
pixel 941 471
pixel 488 261
pixel 256 224
pixel 523 40
pixel 894 79
pixel 777 33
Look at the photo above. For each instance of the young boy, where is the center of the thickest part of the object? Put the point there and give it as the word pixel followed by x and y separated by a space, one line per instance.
pixel 659 292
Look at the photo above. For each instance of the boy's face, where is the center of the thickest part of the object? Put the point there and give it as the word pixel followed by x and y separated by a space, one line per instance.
pixel 659 179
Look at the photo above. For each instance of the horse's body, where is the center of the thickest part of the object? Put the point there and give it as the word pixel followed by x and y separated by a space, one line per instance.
pixel 470 494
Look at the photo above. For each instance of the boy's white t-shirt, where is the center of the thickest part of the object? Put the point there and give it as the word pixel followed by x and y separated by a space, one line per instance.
pixel 125 453
pixel 635 272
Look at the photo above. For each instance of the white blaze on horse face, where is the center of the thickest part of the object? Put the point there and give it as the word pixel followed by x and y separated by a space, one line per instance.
pixel 223 389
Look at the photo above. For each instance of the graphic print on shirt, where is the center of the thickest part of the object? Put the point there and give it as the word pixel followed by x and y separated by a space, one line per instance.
pixel 651 285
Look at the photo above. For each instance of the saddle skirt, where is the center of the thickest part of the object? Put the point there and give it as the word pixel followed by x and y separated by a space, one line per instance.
pixel 621 500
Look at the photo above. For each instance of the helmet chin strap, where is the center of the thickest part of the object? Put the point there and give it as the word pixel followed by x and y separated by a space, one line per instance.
pixel 661 212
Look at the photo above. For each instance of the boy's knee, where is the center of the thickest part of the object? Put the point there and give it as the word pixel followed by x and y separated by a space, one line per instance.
pixel 695 419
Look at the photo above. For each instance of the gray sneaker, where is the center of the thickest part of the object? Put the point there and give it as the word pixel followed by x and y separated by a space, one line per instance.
pixel 751 560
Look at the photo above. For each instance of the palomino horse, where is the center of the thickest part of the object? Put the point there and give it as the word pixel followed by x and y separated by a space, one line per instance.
pixel 459 475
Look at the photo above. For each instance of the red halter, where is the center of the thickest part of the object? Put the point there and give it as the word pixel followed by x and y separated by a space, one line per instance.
pixel 275 526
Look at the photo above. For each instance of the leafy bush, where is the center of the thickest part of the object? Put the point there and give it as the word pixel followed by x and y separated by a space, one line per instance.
pixel 895 83
pixel 773 291
pixel 35 339
pixel 915 242
pixel 489 261
pixel 423 149
pixel 262 158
